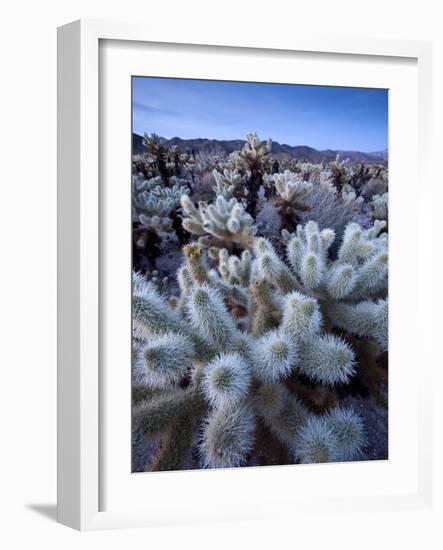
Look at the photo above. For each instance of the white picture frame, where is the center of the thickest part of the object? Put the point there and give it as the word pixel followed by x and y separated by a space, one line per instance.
pixel 81 396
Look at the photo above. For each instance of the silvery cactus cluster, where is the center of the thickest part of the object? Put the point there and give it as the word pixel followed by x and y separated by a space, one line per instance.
pixel 230 183
pixel 379 206
pixel 340 172
pixel 254 150
pixel 155 213
pixel 223 364
pixel 223 224
pixel 152 204
pixel 246 362
pixel 291 189
pixel 254 159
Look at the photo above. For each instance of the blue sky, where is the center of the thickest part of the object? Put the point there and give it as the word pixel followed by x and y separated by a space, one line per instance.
pixel 319 116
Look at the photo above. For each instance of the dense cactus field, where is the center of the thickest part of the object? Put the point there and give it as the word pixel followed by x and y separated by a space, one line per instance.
pixel 260 309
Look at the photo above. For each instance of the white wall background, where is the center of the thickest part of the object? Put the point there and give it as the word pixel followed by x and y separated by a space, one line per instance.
pixel 28 270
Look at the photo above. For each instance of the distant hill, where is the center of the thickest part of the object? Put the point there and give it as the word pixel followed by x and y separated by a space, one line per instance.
pixel 279 151
pixel 383 154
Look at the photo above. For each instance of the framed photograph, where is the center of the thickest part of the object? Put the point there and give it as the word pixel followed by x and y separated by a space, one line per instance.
pixel 240 290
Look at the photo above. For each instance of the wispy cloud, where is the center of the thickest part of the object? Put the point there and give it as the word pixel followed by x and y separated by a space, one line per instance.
pixel 152 110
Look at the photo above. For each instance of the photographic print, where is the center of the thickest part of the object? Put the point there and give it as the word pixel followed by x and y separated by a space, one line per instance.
pixel 260 274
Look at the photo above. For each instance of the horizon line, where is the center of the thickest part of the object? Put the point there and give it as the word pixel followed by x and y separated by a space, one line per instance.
pixel 264 140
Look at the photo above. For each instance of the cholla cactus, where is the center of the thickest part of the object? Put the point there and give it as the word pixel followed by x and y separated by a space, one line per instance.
pixel 234 269
pixel 156 148
pixel 144 166
pixel 292 190
pixel 230 183
pixel 196 270
pixel 329 208
pixel 223 224
pixel 360 175
pixel 155 211
pixel 272 268
pixel 379 207
pixel 349 195
pixel 255 152
pixel 348 430
pixel 274 356
pixel 235 370
pixel 340 172
pixel 166 162
pixel 257 348
pixel 222 385
pixel 174 160
pixel 364 319
pixel 254 159
pixel 150 199
pixel 226 380
pixel 337 436
pixel 281 411
pixel 349 288
pixel 307 170
pixel 227 437
pixel 164 362
pixel 207 315
pixel 291 187
pixel 317 442
pixel 151 206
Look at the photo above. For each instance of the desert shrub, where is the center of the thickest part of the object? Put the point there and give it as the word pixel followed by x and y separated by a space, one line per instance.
pixel 375 186
pixel 329 209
